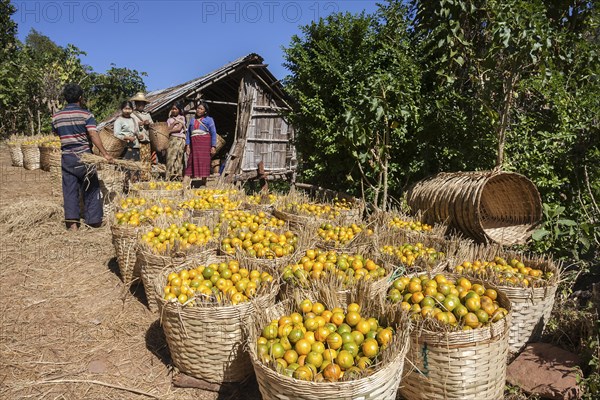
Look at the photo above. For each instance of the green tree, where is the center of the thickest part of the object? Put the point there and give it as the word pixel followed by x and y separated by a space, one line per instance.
pixel 109 89
pixel 356 86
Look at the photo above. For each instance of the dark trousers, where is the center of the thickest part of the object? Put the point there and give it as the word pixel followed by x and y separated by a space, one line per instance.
pixel 77 179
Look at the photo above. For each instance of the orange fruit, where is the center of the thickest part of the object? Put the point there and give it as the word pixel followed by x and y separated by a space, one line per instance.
pixel 314 358
pixel 303 373
pixel 352 318
pixel 321 333
pixel 290 356
pixel 353 307
pixel 345 359
pixel 370 348
pixel 363 326
pixel 384 336
pixel 471 320
pixel 302 347
pixel 306 306
pixel 332 372
pixel 334 341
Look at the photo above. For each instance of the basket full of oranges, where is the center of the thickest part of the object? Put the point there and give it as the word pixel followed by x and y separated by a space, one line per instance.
pixel 205 307
pixel 310 349
pixel 460 323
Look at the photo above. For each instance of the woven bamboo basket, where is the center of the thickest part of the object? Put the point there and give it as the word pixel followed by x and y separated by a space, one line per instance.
pixel 531 309
pixel 44 153
pixel 344 295
pixel 459 365
pixel 488 206
pixel 16 154
pixel 56 181
pixel 112 178
pixel 125 241
pixel 220 144
pixel 54 158
pixel 381 384
pixel 531 306
pixel 31 156
pixel 159 136
pixel 111 181
pixel 207 341
pixel 113 145
pixel 151 265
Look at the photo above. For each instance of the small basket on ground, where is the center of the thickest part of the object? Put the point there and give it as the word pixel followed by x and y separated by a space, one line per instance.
pixel 125 240
pixel 159 136
pixel 16 154
pixel 111 180
pixel 381 383
pixel 46 153
pixel 467 364
pixel 113 145
pixel 31 156
pixel 489 206
pixel 206 341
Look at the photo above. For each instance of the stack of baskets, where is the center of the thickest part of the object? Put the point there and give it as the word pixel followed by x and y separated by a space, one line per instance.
pixel 125 240
pixel 49 156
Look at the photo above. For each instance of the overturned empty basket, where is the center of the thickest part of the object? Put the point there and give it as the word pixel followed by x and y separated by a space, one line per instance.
pixel 489 206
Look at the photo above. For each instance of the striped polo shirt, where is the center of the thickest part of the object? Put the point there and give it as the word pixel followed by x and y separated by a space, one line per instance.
pixel 71 125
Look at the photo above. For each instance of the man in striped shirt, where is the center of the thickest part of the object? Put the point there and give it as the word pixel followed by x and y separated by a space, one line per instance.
pixel 76 127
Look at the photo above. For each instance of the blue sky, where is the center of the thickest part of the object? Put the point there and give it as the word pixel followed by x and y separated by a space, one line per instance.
pixel 175 41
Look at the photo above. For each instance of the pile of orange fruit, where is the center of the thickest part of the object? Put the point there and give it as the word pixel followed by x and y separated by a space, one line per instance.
pixel 157 185
pixel 418 226
pixel 317 263
pixel 340 235
pixel 261 199
pixel 261 243
pixel 239 219
pixel 211 199
pixel 407 253
pixel 457 302
pixel 223 282
pixel 316 344
pixel 513 273
pixel 184 236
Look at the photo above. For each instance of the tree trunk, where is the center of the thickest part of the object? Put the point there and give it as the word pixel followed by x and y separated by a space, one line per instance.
pixel 39 122
pixel 31 121
pixel 504 114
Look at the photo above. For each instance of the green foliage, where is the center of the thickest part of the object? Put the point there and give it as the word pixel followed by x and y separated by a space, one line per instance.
pixel 108 90
pixel 356 85
pixel 33 74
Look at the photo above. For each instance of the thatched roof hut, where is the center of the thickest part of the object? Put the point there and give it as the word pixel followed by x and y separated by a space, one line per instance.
pixel 247 103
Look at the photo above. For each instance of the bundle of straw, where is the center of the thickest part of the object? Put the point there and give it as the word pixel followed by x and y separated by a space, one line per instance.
pixel 92 159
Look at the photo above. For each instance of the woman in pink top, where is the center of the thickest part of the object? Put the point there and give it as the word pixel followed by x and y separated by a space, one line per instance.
pixel 176 124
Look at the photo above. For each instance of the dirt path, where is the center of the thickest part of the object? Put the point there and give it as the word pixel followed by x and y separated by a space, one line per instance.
pixel 67 331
